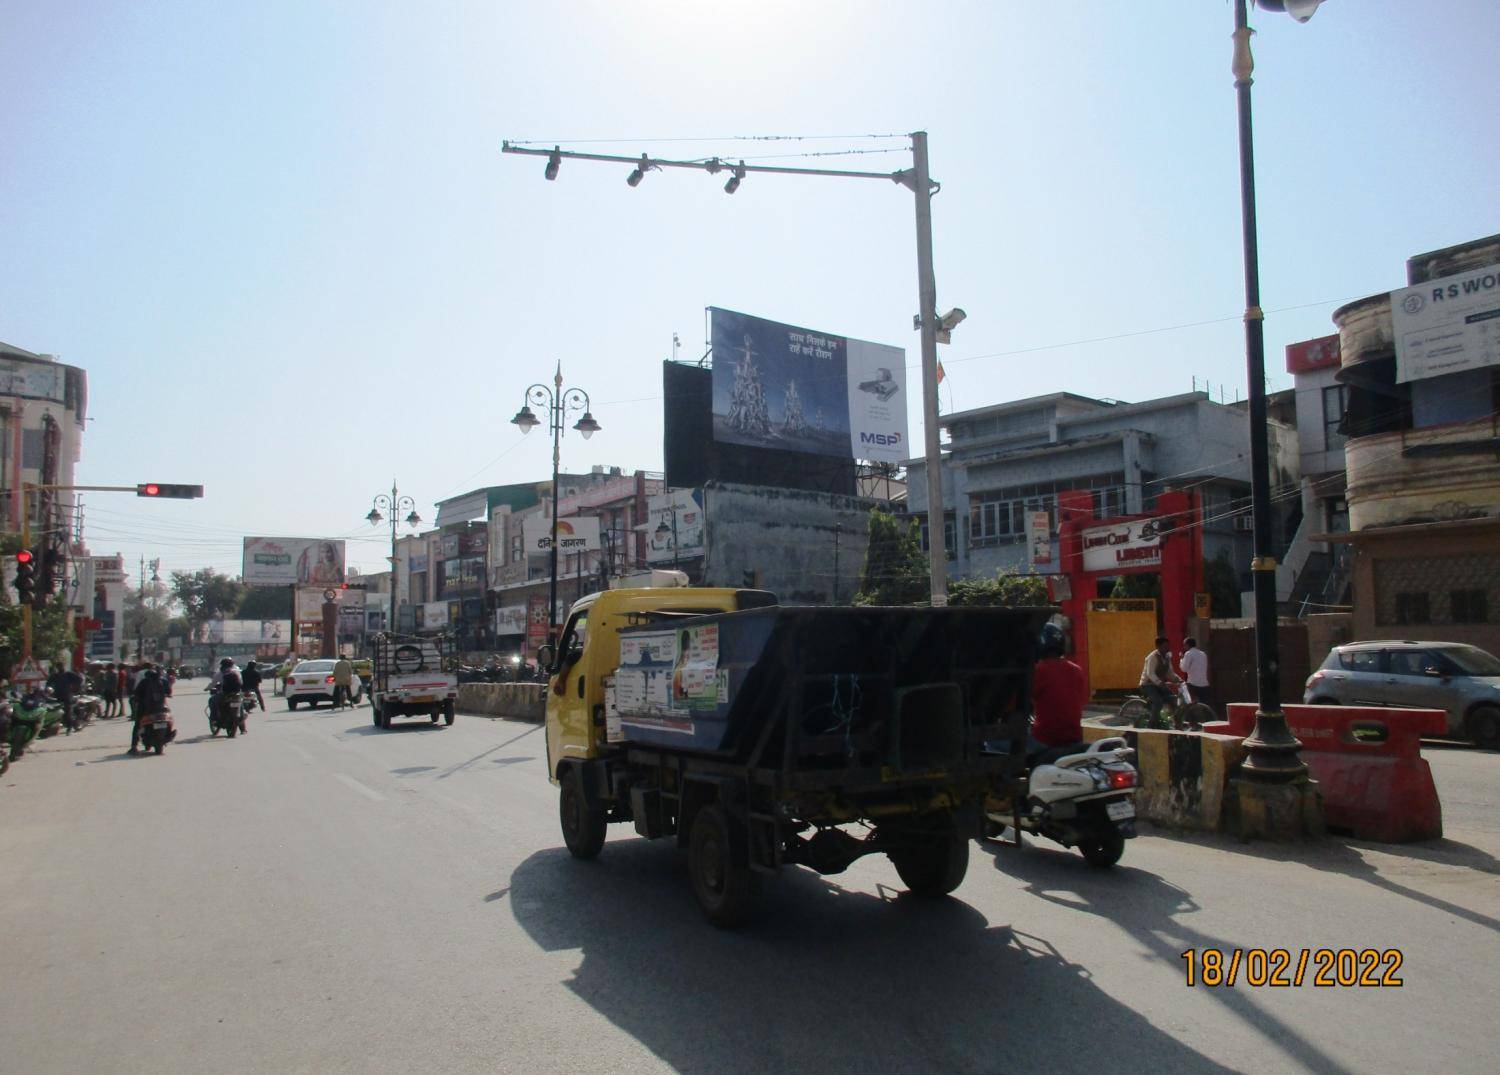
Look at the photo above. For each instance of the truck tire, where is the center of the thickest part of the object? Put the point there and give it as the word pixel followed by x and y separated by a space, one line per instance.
pixel 582 825
pixel 719 860
pixel 291 704
pixel 375 714
pixel 448 711
pixel 935 868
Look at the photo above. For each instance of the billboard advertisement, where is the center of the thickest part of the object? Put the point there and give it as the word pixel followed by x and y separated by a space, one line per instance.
pixel 578 534
pixel 1447 325
pixel 293 561
pixel 793 389
pixel 510 620
pixel 1122 545
pixel 247 632
pixel 674 526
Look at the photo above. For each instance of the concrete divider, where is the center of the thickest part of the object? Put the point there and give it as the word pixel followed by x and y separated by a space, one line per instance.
pixel 518 701
pixel 1183 775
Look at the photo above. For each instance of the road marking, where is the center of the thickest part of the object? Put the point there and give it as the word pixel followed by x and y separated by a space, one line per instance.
pixel 369 793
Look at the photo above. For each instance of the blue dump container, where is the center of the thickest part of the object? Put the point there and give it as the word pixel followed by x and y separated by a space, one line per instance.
pixel 827 688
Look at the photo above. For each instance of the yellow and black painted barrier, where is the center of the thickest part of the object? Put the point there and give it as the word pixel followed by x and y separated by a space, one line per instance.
pixel 1183 775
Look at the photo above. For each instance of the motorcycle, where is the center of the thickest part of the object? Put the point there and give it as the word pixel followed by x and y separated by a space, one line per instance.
pixel 4 737
pixel 1080 796
pixel 157 731
pixel 233 722
pixel 29 717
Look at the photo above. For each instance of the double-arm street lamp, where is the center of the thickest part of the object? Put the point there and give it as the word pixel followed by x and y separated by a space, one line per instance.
pixel 557 403
pixel 1273 752
pixel 393 503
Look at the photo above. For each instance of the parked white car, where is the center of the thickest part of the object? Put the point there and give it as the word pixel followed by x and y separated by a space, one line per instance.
pixel 312 682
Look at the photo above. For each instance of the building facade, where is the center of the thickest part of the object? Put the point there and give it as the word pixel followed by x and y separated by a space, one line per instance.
pixel 1423 452
pixel 1006 463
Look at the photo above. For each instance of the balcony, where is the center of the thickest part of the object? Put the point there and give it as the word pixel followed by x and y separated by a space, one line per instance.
pixel 1424 475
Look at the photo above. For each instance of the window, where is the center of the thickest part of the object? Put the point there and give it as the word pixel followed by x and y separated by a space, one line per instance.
pixel 1412 608
pixel 1469 606
pixel 1361 660
pixel 950 536
pixel 1409 662
pixel 1335 403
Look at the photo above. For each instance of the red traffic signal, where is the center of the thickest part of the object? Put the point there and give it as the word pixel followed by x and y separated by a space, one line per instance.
pixel 169 492
pixel 26 575
pixel 25 557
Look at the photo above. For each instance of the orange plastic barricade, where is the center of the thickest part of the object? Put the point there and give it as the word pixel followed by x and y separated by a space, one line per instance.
pixel 1368 764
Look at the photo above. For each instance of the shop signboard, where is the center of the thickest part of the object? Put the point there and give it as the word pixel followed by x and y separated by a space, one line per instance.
pixel 675 516
pixel 246 632
pixel 794 389
pixel 578 534
pixel 292 561
pixel 1447 325
pixel 510 620
pixel 434 615
pixel 537 627
pixel 1123 545
pixel 1039 536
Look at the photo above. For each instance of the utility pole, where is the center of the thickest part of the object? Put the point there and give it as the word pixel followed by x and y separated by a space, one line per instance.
pixel 933 327
pixel 140 614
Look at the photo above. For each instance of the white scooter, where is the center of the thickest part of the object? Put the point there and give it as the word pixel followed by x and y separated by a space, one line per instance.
pixel 1084 800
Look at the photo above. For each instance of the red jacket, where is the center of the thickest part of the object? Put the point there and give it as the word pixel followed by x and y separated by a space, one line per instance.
pixel 1058 694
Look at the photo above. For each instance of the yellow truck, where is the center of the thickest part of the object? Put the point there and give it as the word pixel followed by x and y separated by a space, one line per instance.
pixel 760 736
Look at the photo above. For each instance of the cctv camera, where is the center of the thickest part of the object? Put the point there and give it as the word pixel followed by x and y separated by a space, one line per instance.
pixel 950 320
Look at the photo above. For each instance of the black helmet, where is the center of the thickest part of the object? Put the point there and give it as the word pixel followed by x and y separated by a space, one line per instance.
pixel 1052 642
pixel 227 662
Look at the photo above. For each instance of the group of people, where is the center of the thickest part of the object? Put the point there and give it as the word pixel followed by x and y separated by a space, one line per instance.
pixel 1160 683
pixel 116 684
pixel 1059 689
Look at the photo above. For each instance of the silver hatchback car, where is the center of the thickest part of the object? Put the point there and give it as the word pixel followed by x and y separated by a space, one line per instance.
pixel 1463 680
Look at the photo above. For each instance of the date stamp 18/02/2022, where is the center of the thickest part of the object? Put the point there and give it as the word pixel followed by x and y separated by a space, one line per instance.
pixel 1287 968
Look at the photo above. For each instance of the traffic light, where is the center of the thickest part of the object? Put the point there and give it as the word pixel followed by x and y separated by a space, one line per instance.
pixel 26 575
pixel 169 492
pixel 50 568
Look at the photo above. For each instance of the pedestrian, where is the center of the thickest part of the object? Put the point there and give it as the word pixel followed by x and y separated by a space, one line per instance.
pixel 343 681
pixel 1194 665
pixel 109 690
pixel 130 679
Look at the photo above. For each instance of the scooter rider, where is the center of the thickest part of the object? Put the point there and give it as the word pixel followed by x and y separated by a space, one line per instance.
pixel 251 679
pixel 1058 694
pixel 150 700
pixel 226 681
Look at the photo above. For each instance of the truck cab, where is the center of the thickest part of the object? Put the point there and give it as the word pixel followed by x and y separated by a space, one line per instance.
pixel 589 653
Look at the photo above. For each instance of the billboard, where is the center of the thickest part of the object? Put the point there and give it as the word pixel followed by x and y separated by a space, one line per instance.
pixel 1135 543
pixel 789 388
pixel 1447 325
pixel 247 632
pixel 678 512
pixel 511 620
pixel 293 562
pixel 578 534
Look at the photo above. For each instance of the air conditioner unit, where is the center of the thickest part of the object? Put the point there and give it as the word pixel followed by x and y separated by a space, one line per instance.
pixel 1244 522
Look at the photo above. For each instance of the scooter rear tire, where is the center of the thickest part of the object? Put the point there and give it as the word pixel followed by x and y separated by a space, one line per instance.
pixel 159 747
pixel 1103 848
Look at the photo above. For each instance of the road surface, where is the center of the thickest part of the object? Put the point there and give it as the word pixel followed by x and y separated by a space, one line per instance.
pixel 321 896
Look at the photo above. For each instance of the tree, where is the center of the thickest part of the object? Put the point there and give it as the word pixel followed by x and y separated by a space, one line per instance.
pixel 50 633
pixel 205 595
pixel 1008 589
pixel 266 603
pixel 150 619
pixel 895 568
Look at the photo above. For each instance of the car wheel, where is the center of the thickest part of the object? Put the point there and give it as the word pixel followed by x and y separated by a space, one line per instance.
pixel 1484 726
pixel 291 704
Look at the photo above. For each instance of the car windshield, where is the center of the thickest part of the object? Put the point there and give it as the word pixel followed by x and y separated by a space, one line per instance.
pixel 1472 661
pixel 315 666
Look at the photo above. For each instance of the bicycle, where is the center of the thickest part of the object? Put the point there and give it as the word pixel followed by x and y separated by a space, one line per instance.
pixel 1177 713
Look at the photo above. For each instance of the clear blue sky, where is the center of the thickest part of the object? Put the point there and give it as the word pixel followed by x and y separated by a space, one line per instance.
pixel 283 241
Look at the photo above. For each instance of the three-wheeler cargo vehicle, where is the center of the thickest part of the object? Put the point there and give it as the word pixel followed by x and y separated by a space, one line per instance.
pixel 757 736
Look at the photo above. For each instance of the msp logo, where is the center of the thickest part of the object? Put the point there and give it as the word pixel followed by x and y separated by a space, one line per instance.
pixel 1413 303
pixel 883 440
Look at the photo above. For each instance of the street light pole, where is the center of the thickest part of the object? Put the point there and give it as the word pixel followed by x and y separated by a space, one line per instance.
pixel 1273 752
pixel 557 403
pixel 933 328
pixel 392 503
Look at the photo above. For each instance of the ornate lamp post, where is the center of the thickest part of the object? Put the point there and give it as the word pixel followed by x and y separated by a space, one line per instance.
pixel 393 503
pixel 1273 750
pixel 557 403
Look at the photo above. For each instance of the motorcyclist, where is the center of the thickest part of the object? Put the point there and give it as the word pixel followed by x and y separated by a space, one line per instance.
pixel 1058 694
pixel 251 679
pixel 226 681
pixel 150 700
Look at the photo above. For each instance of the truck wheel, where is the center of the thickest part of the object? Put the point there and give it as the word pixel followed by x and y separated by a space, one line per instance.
pixel 447 712
pixel 375 715
pixel 719 860
pixel 582 826
pixel 1103 847
pixel 935 868
pixel 291 704
pixel 1484 726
